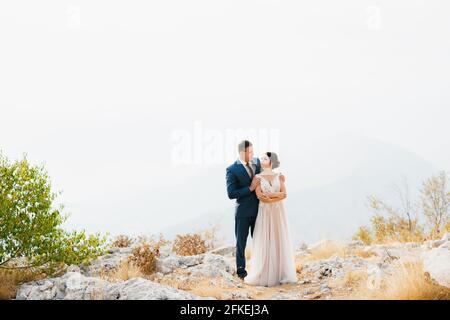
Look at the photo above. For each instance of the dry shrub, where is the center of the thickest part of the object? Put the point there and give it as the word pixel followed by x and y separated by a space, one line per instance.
pixel 396 229
pixel 122 241
pixel 298 267
pixel 145 257
pixel 409 282
pixel 440 235
pixel 189 244
pixel 364 234
pixel 392 229
pixel 159 241
pixel 11 279
pixel 435 203
pixel 211 237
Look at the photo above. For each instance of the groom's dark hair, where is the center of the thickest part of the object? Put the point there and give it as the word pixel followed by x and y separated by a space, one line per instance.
pixel 243 145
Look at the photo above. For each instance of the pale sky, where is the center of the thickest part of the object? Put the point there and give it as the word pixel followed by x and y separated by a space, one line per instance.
pixel 95 90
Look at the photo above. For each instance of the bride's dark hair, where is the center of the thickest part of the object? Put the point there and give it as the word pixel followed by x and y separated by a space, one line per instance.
pixel 273 159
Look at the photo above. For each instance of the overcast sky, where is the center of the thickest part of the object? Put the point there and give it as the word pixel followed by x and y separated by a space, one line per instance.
pixel 97 90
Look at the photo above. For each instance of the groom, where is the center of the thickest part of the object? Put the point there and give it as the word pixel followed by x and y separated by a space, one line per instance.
pixel 241 185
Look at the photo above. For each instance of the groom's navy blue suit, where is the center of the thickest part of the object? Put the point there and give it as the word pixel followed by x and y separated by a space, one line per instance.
pixel 238 183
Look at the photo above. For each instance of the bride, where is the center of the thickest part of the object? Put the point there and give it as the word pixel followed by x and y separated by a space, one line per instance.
pixel 272 258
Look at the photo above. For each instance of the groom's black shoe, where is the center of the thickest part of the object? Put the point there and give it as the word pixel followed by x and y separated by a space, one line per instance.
pixel 242 274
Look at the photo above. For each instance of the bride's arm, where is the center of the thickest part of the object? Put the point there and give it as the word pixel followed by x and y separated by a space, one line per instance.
pixel 281 195
pixel 261 196
pixel 277 196
pixel 266 198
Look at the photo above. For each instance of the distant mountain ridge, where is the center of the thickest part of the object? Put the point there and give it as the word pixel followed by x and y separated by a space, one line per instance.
pixel 336 209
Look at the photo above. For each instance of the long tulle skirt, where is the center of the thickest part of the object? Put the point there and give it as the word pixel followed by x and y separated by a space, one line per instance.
pixel 272 259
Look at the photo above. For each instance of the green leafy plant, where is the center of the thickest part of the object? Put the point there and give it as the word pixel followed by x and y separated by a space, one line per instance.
pixel 30 225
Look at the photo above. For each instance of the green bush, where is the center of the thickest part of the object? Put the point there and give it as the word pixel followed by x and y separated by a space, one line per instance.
pixel 30 226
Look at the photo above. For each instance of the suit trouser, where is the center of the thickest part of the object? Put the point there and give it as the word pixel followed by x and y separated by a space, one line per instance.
pixel 241 227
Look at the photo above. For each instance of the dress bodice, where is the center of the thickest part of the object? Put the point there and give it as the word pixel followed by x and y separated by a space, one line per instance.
pixel 268 186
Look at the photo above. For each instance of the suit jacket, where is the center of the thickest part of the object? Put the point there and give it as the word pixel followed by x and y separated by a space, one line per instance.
pixel 238 183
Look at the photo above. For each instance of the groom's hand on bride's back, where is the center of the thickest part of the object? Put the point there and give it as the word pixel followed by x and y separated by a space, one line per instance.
pixel 254 185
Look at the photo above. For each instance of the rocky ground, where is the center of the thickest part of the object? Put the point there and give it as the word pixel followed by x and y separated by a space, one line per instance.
pixel 325 271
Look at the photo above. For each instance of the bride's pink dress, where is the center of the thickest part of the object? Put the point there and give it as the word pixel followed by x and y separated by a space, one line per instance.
pixel 272 256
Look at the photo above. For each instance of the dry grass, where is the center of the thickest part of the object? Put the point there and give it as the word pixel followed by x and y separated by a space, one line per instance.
pixel 175 282
pixel 10 279
pixel 363 253
pixel 125 271
pixel 203 288
pixel 153 240
pixel 248 253
pixel 409 282
pixel 326 250
pixel 354 279
pixel 98 294
pixel 189 244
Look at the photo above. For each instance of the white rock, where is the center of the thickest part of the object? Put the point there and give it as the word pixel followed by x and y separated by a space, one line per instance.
pixel 236 296
pixel 71 286
pixel 437 263
pixel 445 245
pixel 73 268
pixel 223 251
pixel 437 243
pixel 142 289
pixel 303 247
pixel 355 243
pixel 426 245
pixel 213 266
pixel 169 264
pixel 308 291
pixel 107 262
pixel 75 286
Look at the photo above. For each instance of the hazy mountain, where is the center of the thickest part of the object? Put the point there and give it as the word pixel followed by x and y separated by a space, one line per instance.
pixel 334 209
